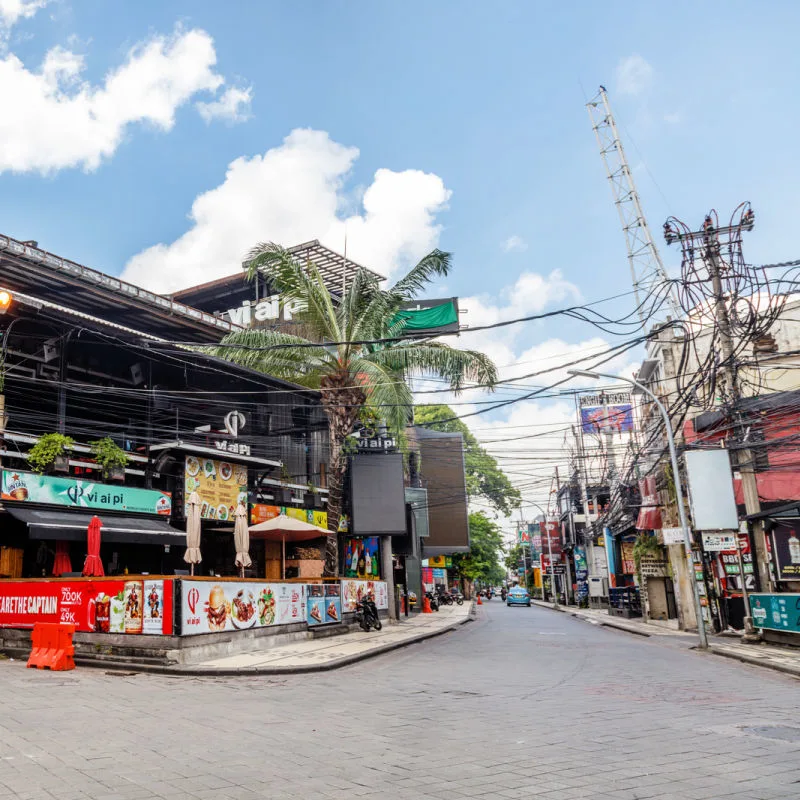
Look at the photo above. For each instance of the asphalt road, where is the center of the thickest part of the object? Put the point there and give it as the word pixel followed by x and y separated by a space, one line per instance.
pixel 520 703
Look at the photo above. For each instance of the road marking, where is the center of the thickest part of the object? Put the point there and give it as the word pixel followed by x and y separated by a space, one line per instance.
pixel 550 633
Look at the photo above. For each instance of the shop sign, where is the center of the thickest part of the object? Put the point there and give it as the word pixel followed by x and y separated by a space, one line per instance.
pixel 63 490
pixel 324 604
pixel 362 558
pixel 653 568
pixel 628 559
pixel 551 537
pixel 267 309
pixel 581 566
pixel 776 612
pixel 437 561
pixel 261 512
pixel 220 485
pixel 440 574
pixel 717 542
pixel 353 591
pixel 234 422
pixel 209 607
pixel 557 568
pixel 786 549
pixel 672 535
pixel 99 606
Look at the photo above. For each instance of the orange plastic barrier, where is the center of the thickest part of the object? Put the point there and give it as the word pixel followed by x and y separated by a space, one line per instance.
pixel 480 602
pixel 52 646
pixel 426 606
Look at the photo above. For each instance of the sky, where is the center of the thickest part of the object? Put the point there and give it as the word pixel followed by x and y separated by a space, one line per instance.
pixel 160 139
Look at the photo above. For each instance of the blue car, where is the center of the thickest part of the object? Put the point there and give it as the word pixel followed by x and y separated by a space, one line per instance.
pixel 518 597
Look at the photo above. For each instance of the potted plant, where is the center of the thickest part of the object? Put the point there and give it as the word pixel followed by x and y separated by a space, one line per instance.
pixel 283 495
pixel 111 458
pixel 309 495
pixel 51 452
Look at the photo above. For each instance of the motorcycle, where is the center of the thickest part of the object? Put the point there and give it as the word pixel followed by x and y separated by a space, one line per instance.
pixel 445 598
pixel 367 614
pixel 434 601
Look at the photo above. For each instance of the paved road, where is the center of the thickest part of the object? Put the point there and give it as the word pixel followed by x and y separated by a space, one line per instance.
pixel 521 703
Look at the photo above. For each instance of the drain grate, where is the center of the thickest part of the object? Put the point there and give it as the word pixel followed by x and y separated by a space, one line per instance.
pixel 784 732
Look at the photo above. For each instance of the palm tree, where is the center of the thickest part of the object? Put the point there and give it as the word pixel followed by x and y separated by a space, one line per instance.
pixel 353 354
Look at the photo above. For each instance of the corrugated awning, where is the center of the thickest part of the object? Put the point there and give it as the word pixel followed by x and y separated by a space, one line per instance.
pixel 71 526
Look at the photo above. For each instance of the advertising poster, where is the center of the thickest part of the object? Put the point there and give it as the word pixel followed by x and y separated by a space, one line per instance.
pixel 523 534
pixel 362 558
pixel 152 621
pixel 220 485
pixel 324 603
pixel 786 551
pixel 551 538
pixel 209 607
pixel 427 578
pixel 261 512
pixel 353 591
pixel 628 560
pixel 73 492
pixel 777 612
pixel 100 606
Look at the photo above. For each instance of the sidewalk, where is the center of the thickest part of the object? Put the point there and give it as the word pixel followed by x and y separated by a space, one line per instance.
pixel 768 656
pixel 316 655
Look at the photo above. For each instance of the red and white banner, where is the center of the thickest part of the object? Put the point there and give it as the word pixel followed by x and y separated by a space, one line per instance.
pixel 100 606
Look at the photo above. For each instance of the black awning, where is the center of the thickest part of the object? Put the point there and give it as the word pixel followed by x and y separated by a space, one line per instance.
pixel 71 526
pixel 785 510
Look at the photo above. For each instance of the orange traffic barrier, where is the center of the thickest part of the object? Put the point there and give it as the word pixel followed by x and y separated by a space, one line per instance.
pixel 480 602
pixel 426 606
pixel 402 604
pixel 52 646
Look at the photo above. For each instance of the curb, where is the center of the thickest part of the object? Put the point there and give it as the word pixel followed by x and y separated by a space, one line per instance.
pixel 610 623
pixel 219 672
pixel 755 662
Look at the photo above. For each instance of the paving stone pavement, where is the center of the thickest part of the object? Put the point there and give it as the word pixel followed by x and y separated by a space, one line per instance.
pixel 521 703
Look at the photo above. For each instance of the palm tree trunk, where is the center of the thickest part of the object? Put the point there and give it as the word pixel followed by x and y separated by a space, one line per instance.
pixel 342 404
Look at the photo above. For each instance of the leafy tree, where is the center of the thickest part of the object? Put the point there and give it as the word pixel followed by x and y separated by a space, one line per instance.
pixel 484 477
pixel 514 558
pixel 342 356
pixel 482 563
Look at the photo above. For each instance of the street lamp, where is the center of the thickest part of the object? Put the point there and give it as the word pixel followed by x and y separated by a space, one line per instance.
pixel 687 538
pixel 549 557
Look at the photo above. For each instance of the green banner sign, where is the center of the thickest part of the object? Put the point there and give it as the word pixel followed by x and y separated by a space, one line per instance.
pixel 65 490
pixel 776 612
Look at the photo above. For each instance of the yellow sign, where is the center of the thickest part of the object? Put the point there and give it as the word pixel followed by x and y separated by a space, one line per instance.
pixel 437 561
pixel 537 577
pixel 220 485
pixel 601 541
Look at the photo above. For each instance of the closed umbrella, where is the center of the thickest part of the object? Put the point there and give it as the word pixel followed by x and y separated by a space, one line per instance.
pixel 93 566
pixel 192 555
pixel 241 536
pixel 61 564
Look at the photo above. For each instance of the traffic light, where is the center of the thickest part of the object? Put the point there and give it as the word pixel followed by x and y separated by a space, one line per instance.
pixel 5 301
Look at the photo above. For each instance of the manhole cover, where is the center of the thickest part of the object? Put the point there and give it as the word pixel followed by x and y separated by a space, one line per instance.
pixel 784 732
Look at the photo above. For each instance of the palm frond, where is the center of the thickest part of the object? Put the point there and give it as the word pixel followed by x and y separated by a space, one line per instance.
pixel 387 392
pixel 281 355
pixel 434 265
pixel 457 367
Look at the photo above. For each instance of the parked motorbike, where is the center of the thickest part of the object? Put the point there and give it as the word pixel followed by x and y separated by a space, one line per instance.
pixel 445 598
pixel 434 601
pixel 367 614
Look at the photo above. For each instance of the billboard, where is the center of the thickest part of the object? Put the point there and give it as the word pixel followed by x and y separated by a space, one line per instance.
pixel 711 490
pixel 617 418
pixel 65 490
pixel 220 485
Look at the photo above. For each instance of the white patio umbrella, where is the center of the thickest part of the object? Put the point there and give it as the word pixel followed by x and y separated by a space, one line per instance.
pixel 192 555
pixel 283 528
pixel 241 537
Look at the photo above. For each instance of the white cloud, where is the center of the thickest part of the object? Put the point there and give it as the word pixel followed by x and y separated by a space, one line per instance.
pixel 12 11
pixel 292 194
pixel 514 244
pixel 634 75
pixel 61 121
pixel 673 118
pixel 233 106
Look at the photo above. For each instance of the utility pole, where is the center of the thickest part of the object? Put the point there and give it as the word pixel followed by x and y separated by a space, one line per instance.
pixel 709 240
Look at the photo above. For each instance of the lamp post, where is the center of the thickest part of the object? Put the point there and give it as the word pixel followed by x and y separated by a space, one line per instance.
pixel 687 538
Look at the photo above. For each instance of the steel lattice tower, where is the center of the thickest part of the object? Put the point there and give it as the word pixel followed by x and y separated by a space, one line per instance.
pixel 647 269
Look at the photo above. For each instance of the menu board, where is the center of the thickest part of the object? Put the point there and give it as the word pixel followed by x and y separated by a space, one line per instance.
pixel 219 484
pixel 354 590
pixel 209 607
pixel 99 606
pixel 324 604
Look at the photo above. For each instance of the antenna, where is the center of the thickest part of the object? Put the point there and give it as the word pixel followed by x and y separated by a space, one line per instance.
pixel 647 269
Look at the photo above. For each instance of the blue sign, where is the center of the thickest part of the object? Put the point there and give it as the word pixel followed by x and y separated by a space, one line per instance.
pixel 776 612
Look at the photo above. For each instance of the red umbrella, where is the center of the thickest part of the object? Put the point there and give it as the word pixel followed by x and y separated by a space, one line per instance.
pixel 93 566
pixel 62 563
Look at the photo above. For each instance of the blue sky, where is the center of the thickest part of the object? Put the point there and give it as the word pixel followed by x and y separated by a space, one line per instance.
pixel 474 112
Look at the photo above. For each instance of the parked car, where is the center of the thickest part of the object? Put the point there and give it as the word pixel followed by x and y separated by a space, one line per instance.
pixel 518 597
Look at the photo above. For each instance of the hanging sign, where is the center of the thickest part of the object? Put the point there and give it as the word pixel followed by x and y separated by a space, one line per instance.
pixel 717 542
